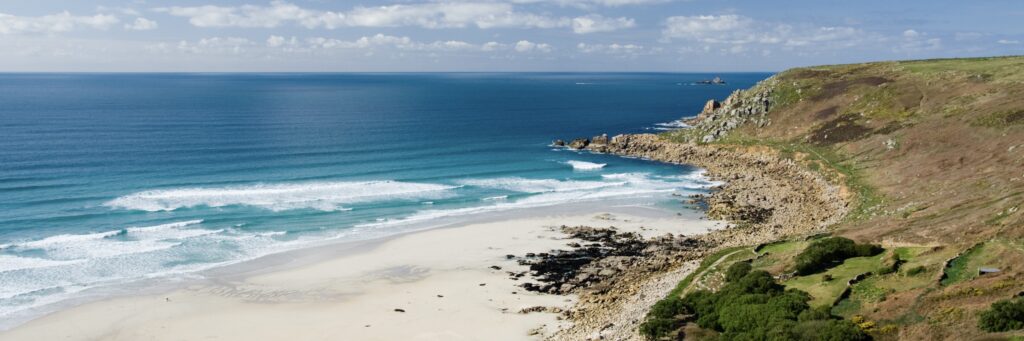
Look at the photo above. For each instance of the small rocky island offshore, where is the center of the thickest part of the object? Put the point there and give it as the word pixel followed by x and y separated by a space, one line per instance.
pixel 713 81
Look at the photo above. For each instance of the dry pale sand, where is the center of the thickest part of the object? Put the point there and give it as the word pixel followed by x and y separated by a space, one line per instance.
pixel 440 278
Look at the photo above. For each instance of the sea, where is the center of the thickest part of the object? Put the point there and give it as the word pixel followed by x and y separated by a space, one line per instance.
pixel 112 179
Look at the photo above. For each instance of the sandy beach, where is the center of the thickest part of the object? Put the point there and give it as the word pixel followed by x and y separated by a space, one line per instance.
pixel 430 285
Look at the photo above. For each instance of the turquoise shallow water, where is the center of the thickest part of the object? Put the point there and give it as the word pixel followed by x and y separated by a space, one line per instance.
pixel 108 179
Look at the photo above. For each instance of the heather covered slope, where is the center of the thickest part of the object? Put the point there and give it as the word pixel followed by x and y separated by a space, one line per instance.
pixel 932 153
pixel 938 143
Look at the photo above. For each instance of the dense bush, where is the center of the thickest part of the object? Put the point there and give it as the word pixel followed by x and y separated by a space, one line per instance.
pixel 1003 316
pixel 736 271
pixel 825 253
pixel 751 307
pixel 663 318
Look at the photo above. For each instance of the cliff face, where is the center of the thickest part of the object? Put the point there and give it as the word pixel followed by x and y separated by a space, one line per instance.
pixel 742 107
pixel 923 157
pixel 937 147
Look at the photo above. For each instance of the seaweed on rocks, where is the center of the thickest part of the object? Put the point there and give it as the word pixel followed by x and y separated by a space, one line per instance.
pixel 603 253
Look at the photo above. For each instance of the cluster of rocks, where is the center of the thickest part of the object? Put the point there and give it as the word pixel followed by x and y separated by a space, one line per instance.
pixel 593 143
pixel 766 196
pixel 602 253
pixel 741 107
pixel 774 196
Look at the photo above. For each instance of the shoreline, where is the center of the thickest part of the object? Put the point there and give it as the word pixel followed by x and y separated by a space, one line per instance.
pixel 762 197
pixel 796 200
pixel 322 251
pixel 272 286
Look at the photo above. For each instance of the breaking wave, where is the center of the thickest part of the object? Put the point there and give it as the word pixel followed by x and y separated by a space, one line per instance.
pixel 323 196
pixel 585 166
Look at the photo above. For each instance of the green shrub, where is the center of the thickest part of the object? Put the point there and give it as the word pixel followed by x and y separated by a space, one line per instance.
pixel 1003 316
pixel 668 307
pixel 825 253
pixel 917 270
pixel 756 307
pixel 736 271
pixel 814 314
pixel 829 330
pixel 655 328
pixel 662 320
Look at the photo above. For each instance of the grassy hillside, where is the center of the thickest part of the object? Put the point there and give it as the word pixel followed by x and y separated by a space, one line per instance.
pixel 933 153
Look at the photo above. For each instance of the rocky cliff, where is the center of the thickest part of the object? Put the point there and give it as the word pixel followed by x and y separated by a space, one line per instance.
pixel 914 155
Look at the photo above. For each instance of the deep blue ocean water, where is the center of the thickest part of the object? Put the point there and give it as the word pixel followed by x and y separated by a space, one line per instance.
pixel 107 179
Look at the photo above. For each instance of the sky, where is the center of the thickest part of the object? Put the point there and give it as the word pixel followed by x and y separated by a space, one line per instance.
pixel 494 35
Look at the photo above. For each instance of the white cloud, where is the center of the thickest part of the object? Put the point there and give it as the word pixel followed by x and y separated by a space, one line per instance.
pixel 214 45
pixel 913 42
pixel 141 24
pixel 276 41
pixel 707 28
pixel 119 10
pixel 493 46
pixel 592 3
pixel 428 15
pixel 596 23
pixel 734 29
pixel 401 43
pixel 276 14
pixel 528 46
pixel 1008 42
pixel 442 15
pixel 54 23
pixel 613 48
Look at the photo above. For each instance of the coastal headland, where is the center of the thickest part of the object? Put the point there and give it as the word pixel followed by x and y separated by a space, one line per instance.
pixel 918 163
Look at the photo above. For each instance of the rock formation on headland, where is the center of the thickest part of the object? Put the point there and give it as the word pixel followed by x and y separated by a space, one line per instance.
pixel 918 155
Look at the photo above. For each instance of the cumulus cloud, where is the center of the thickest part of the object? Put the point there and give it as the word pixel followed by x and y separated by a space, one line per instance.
pixel 528 46
pixel 428 15
pixel 402 43
pixel 443 15
pixel 737 30
pixel 141 24
pixel 213 45
pixel 614 48
pixel 54 23
pixel 596 23
pixel 593 3
pixel 276 14
pixel 913 42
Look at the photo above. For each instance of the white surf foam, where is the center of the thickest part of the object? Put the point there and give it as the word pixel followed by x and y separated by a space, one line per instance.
pixel 70 247
pixel 524 185
pixel 324 196
pixel 584 165
pixel 672 125
pixel 115 257
pixel 550 192
pixel 12 263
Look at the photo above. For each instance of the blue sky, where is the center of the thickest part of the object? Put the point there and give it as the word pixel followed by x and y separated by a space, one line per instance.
pixel 495 35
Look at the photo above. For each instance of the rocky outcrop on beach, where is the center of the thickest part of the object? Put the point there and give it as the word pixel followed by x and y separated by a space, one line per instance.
pixel 763 196
pixel 768 196
pixel 616 275
pixel 603 253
